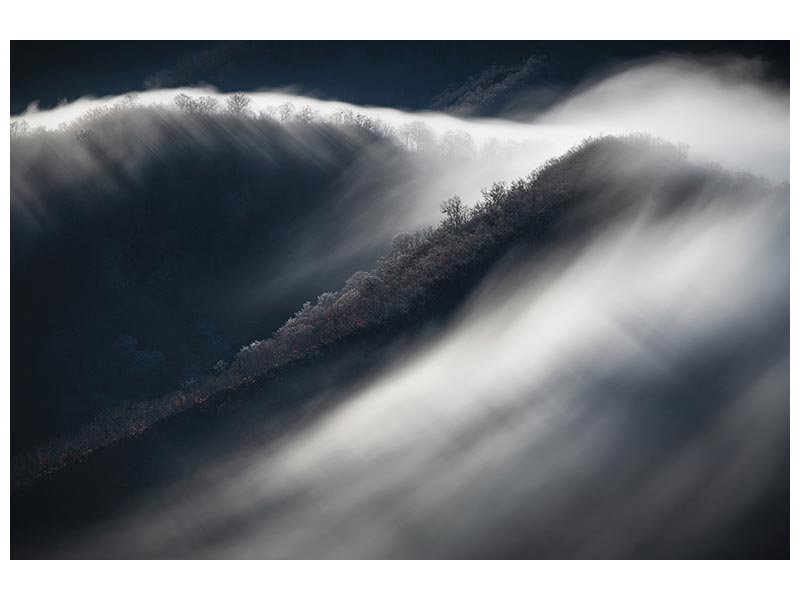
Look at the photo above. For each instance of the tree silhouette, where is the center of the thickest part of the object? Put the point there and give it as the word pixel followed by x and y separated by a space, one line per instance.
pixel 239 105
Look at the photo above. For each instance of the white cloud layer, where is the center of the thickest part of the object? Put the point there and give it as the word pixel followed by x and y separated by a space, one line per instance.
pixel 723 109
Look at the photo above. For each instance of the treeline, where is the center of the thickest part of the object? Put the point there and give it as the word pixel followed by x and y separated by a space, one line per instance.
pixel 407 281
pixel 130 224
pixel 136 250
pixel 414 136
pixel 409 276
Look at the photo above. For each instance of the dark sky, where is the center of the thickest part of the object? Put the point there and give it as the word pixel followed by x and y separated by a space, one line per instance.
pixel 402 74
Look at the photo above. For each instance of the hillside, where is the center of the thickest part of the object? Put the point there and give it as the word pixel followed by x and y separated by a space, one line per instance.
pixel 139 266
pixel 415 289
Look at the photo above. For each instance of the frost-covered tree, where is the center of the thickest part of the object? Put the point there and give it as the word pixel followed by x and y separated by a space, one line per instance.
pixel 455 214
pixel 239 105
pixel 417 136
pixel 19 128
pixel 286 112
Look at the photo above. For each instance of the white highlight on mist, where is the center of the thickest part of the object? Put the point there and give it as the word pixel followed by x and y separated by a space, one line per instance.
pixel 722 109
pixel 500 423
pixel 520 423
pixel 509 408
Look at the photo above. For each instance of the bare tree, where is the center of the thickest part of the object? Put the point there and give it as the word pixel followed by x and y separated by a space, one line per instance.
pixel 455 214
pixel 269 113
pixel 207 105
pixel 286 112
pixel 306 115
pixel 185 103
pixel 202 105
pixel 458 144
pixel 342 116
pixel 239 105
pixel 417 136
pixel 403 243
pixel 19 128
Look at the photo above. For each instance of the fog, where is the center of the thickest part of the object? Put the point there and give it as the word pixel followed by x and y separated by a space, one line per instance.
pixel 722 108
pixel 625 395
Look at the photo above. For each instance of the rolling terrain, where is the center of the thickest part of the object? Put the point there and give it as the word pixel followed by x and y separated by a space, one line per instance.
pixel 585 362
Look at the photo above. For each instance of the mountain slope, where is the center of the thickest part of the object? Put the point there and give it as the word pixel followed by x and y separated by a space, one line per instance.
pixel 149 245
pixel 560 210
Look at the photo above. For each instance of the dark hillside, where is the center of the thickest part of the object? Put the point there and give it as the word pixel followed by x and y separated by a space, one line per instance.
pixel 133 264
pixel 420 282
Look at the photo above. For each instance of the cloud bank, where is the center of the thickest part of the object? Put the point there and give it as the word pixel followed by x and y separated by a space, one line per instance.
pixel 723 109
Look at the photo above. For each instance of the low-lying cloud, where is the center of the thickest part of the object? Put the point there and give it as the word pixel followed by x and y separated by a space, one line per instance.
pixel 629 399
pixel 624 397
pixel 723 109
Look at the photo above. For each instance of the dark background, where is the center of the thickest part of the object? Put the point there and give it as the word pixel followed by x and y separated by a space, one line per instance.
pixel 400 74
pixel 124 302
